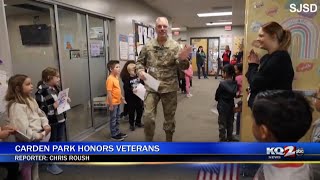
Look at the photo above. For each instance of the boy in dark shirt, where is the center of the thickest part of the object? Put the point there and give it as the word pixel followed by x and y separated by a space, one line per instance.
pixel 135 104
pixel 225 95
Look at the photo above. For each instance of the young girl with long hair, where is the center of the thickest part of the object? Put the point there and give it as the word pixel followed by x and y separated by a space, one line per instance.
pixel 25 115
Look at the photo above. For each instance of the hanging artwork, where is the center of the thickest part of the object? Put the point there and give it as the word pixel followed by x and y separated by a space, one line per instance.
pixel 142 34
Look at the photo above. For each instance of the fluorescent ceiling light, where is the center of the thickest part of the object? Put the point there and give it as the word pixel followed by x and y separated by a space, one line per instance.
pixel 215 14
pixel 219 23
pixel 175 29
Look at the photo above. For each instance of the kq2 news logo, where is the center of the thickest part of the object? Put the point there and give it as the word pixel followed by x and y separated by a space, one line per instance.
pixel 286 151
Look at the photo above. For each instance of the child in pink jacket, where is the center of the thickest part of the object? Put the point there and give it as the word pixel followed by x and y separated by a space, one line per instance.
pixel 188 76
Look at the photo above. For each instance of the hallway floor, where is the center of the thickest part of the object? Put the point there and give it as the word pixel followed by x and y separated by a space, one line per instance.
pixel 195 122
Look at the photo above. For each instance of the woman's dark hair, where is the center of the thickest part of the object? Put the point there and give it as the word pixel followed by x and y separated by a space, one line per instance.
pixel 229 70
pixel 287 114
pixel 283 36
pixel 239 67
pixel 124 72
pixel 199 49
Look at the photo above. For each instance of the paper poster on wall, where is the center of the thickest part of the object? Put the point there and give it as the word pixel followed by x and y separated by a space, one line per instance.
pixel 145 35
pixel 229 40
pixel 95 49
pixel 140 33
pixel 150 32
pixel 131 50
pixel 132 57
pixel 3 90
pixel 131 40
pixel 124 47
pixel 68 41
pixel 3 77
pixel 139 48
pixel 222 40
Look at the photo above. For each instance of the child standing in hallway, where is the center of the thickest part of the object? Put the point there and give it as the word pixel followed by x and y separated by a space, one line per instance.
pixel 225 95
pixel 47 99
pixel 123 75
pixel 188 76
pixel 238 69
pixel 114 99
pixel 134 103
pixel 25 115
pixel 182 81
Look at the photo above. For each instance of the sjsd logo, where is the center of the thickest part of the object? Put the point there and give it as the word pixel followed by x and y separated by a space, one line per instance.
pixel 303 8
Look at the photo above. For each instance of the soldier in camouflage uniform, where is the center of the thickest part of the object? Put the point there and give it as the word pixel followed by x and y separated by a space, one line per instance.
pixel 161 57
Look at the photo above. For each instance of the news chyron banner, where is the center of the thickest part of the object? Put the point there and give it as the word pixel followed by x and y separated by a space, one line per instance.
pixel 157 152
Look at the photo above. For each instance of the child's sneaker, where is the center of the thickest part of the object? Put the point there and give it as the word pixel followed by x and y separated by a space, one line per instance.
pixel 117 138
pixel 125 118
pixel 123 135
pixel 189 95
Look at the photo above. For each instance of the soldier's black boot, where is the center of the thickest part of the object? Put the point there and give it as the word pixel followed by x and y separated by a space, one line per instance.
pixel 149 138
pixel 169 137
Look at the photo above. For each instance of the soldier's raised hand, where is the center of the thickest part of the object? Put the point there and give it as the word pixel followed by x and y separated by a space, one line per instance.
pixel 142 76
pixel 185 52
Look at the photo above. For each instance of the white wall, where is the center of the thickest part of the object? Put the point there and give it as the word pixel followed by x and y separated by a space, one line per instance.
pixel 213 32
pixel 30 59
pixel 5 55
pixel 124 12
pixel 182 36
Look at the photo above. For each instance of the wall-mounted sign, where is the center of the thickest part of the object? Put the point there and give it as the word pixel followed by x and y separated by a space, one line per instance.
pixel 227 28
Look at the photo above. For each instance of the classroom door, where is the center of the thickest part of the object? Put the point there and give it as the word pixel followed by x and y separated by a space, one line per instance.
pixel 196 43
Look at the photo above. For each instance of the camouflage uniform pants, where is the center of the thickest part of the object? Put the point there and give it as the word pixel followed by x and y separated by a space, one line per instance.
pixel 169 104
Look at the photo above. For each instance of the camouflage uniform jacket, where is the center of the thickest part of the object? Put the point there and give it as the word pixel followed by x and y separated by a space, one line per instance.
pixel 162 63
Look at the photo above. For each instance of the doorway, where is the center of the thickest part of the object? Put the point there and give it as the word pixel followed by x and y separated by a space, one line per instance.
pixel 211 48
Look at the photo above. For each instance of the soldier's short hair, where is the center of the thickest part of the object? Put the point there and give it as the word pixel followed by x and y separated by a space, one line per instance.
pixel 159 18
pixel 111 64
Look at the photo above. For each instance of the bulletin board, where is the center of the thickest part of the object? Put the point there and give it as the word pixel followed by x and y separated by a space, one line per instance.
pixel 142 33
pixel 304 49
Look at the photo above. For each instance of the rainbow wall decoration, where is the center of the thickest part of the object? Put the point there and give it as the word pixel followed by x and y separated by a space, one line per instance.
pixel 305 37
